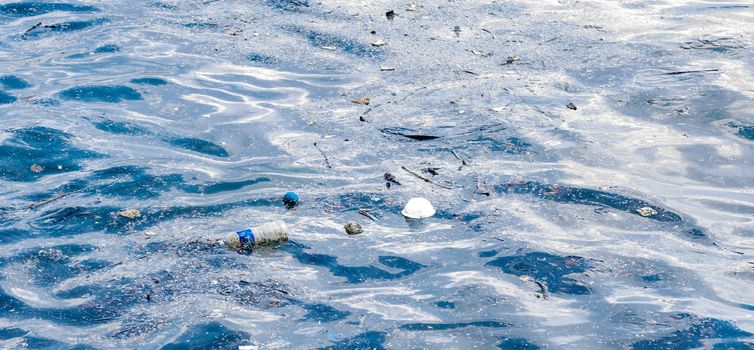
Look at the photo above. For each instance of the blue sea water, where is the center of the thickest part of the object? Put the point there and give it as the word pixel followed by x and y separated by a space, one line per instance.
pixel 590 163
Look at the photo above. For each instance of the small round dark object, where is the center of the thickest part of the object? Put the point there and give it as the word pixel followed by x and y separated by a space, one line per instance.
pixel 353 228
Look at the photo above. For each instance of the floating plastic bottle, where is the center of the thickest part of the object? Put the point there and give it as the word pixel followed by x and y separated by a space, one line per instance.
pixel 268 233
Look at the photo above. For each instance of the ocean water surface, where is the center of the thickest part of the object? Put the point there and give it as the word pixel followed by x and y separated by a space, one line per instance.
pixel 590 163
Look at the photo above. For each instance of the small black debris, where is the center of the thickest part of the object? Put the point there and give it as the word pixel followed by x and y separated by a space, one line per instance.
pixel 571 106
pixel 431 171
pixel 391 178
pixel 390 15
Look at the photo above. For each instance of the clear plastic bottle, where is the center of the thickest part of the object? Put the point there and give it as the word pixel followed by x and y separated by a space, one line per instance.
pixel 267 233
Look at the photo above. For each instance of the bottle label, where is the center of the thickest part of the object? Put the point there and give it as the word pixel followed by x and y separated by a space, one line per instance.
pixel 246 237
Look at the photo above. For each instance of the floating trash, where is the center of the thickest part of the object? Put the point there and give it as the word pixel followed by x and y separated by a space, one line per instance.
pixel 290 199
pixel 353 228
pixel 129 214
pixel 267 233
pixel 363 101
pixel 418 208
pixel 647 211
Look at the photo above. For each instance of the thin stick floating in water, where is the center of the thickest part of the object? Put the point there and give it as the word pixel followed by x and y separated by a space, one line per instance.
pixel 47 201
pixel 692 71
pixel 425 179
pixel 367 214
pixel 327 160
pixel 23 36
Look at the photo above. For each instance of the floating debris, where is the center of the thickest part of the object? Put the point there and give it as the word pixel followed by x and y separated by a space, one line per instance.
pixel 387 69
pixel 425 179
pixel 412 7
pixel 36 168
pixel 129 214
pixel 353 228
pixel 150 233
pixel 233 32
pixel 47 201
pixel 457 30
pixel 390 15
pixel 359 100
pixel 431 171
pixel 571 106
pixel 367 214
pixel 379 43
pixel 391 178
pixel 330 48
pixel 327 160
pixel 417 137
pixel 511 59
pixel 418 208
pixel 646 211
pixel 290 199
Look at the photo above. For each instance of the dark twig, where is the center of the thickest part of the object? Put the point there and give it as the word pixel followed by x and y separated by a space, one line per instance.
pixel 482 189
pixel 493 35
pixel 692 71
pixel 401 100
pixel 327 160
pixel 47 201
pixel 463 161
pixel 367 214
pixel 23 36
pixel 543 287
pixel 425 179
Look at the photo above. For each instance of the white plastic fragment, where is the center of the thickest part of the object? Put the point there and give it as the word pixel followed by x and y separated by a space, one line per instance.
pixel 646 211
pixel 418 208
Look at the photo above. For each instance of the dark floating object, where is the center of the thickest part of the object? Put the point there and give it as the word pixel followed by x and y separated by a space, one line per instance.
pixel 39 30
pixel 391 178
pixel 692 71
pixel 572 106
pixel 390 15
pixel 431 171
pixel 425 179
pixel 450 326
pixel 327 160
pixel 417 137
pixel 510 60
